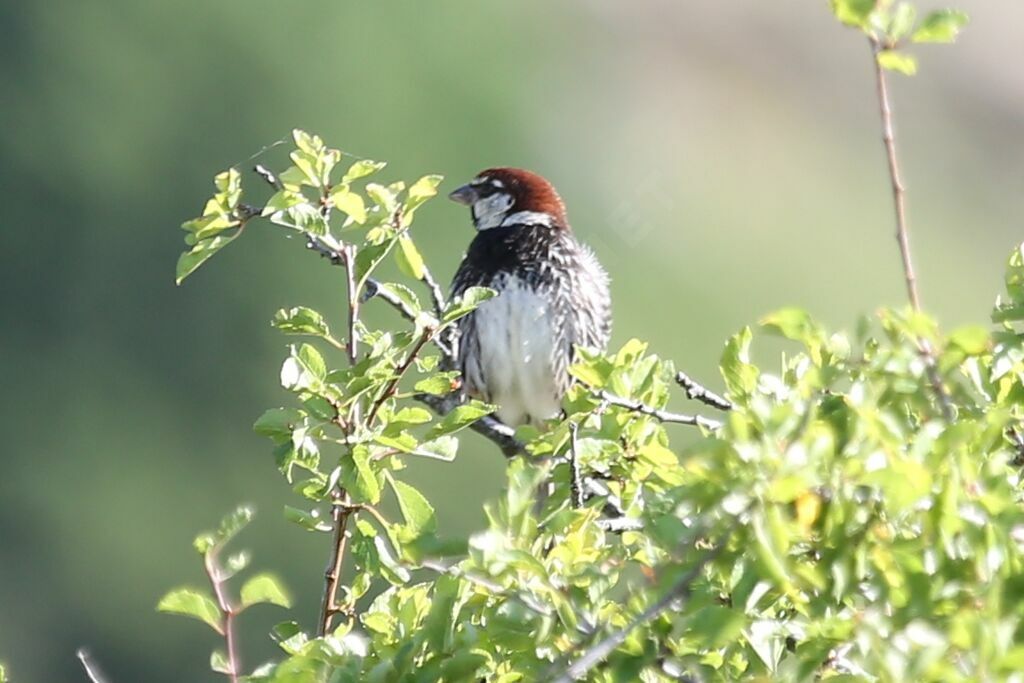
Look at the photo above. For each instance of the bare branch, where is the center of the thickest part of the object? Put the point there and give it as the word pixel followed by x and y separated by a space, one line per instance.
pixel 698 392
pixel 660 415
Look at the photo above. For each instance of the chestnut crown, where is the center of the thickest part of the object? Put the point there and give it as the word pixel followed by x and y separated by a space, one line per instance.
pixel 501 197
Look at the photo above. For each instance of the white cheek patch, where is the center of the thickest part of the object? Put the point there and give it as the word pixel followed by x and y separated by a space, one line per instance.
pixel 489 212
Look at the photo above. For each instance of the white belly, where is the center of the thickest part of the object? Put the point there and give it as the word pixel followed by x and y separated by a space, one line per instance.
pixel 515 338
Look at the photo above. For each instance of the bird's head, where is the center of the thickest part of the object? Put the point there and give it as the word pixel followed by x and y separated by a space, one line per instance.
pixel 511 196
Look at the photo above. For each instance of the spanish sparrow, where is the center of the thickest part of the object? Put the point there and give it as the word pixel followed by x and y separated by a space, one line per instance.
pixel 515 349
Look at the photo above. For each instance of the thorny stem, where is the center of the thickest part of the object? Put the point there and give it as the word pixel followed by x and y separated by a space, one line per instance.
pixel 227 612
pixel 902 231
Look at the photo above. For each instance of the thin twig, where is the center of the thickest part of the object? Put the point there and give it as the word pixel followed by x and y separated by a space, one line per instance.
pixel 268 175
pixel 677 594
pixel 389 389
pixel 227 613
pixel 698 392
pixel 902 230
pixel 436 293
pixel 898 190
pixel 660 415
pixel 91 669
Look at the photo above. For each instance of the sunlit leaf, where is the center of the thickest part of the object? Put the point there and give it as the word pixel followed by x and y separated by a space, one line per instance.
pixel 941 26
pixel 194 603
pixel 264 588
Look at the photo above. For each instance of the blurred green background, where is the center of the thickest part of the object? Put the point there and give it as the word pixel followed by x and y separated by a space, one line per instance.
pixel 722 158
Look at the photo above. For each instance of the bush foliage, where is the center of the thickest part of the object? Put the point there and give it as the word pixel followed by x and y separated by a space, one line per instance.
pixel 852 512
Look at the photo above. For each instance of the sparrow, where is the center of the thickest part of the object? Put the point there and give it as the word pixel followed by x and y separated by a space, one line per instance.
pixel 515 349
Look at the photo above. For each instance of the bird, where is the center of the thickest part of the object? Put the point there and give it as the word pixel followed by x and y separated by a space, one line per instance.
pixel 515 350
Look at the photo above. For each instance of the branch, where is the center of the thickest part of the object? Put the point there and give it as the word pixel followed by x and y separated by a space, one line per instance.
pixel 389 389
pixel 660 415
pixel 902 230
pixel 91 670
pixel 227 613
pixel 698 392
pixel 677 594
pixel 340 512
pixel 436 293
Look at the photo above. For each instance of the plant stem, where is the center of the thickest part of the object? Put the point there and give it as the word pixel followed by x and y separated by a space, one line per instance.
pixel 898 190
pixel 389 389
pixel 341 508
pixel 227 612
pixel 902 232
pixel 340 512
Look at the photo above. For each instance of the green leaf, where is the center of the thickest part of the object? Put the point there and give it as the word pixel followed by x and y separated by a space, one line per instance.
pixel 740 376
pixel 442 448
pixel 3 673
pixel 301 320
pixel 361 169
pixel 459 418
pixel 278 423
pixel 200 254
pixel 898 61
pixel 941 26
pixel 792 323
pixel 194 603
pixel 219 662
pixel 409 259
pixel 304 369
pixel 902 21
pixel 289 636
pixel 307 520
pixel 440 384
pixel 465 304
pixel 971 339
pixel 360 479
pixel 230 525
pixel 418 513
pixel 422 190
pixel 264 588
pixel 853 12
pixel 349 202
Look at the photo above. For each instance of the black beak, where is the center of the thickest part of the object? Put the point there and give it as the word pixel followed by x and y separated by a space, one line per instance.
pixel 465 195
